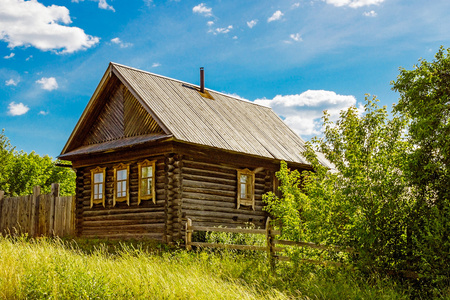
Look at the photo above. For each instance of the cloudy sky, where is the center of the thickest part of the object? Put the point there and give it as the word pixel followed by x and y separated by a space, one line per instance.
pixel 298 57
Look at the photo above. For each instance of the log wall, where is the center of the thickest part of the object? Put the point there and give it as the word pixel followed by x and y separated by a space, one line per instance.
pixel 146 220
pixel 209 195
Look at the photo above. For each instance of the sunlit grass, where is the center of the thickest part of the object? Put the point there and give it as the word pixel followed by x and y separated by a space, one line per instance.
pixel 55 269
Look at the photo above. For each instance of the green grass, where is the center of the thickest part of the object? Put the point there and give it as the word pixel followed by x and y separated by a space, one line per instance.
pixel 92 269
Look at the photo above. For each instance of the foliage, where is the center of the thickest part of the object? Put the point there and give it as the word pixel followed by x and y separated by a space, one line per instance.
pixel 6 156
pixel 389 193
pixel 20 172
pixel 425 99
pixel 363 203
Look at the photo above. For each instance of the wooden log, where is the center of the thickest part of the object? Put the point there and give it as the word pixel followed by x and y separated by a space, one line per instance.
pixel 98 223
pixel 211 178
pixel 208 197
pixel 212 208
pixel 202 172
pixel 188 232
pixel 121 236
pixel 145 217
pixel 229 204
pixel 239 214
pixel 209 185
pixel 210 191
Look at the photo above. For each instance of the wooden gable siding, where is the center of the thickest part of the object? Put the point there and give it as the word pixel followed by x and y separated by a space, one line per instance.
pixel 146 220
pixel 109 124
pixel 137 120
pixel 121 116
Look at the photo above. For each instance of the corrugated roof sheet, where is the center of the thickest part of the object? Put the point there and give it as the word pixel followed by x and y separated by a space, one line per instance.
pixel 225 122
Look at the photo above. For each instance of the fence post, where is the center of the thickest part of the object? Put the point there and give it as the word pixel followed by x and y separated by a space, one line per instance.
pixel 270 245
pixel 35 211
pixel 188 234
pixel 54 194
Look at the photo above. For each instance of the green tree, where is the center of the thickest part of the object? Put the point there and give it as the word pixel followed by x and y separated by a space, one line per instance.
pixel 6 157
pixel 20 172
pixel 425 99
pixel 364 202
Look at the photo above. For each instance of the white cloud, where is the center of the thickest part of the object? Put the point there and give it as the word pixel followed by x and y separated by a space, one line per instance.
pixel 11 82
pixel 117 41
pixel 149 3
pixel 48 83
pixel 371 13
pixel 296 5
pixel 303 112
pixel 223 30
pixel 43 113
pixel 296 37
pixel 155 65
pixel 17 109
pixel 9 56
pixel 235 37
pixel 201 9
pixel 252 23
pixel 210 23
pixel 30 23
pixel 102 4
pixel 354 3
pixel 29 57
pixel 276 16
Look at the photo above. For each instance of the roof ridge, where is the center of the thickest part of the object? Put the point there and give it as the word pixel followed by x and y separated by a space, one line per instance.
pixel 188 83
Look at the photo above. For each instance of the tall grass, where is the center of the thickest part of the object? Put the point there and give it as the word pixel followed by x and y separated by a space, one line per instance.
pixel 55 269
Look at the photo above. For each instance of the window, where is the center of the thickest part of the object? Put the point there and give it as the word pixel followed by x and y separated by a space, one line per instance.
pixel 121 192
pixel 246 188
pixel 98 186
pixel 147 189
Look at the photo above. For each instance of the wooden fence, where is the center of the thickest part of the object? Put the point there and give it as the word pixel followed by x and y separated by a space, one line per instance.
pixel 38 215
pixel 273 251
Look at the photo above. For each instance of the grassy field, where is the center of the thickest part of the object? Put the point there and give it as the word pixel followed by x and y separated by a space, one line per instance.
pixel 90 269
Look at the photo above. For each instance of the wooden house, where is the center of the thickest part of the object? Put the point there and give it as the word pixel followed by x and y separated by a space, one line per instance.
pixel 151 151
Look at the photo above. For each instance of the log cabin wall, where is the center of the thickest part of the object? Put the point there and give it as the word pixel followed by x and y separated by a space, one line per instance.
pixel 209 194
pixel 146 220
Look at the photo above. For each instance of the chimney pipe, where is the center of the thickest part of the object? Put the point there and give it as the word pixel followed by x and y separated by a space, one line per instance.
pixel 202 80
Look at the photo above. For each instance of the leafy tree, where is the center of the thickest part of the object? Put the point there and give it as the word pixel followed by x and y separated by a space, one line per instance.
pixel 364 202
pixel 425 99
pixel 389 195
pixel 6 156
pixel 20 172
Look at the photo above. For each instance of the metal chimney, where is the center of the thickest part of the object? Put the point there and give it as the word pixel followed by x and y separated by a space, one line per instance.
pixel 202 80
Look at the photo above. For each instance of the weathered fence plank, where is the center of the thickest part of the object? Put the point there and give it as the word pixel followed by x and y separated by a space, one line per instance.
pixel 37 214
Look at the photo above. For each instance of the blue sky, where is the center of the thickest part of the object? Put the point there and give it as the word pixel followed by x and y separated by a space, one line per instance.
pixel 298 57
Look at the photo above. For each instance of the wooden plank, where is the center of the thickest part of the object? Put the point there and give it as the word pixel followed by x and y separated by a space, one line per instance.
pixel 312 245
pixel 34 211
pixel 230 246
pixel 235 230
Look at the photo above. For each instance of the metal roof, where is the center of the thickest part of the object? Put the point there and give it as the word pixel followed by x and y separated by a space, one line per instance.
pixel 224 122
